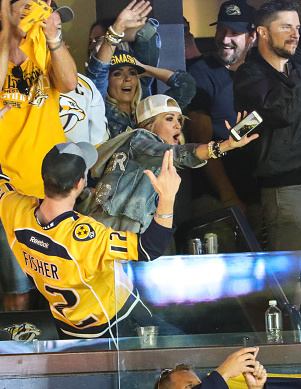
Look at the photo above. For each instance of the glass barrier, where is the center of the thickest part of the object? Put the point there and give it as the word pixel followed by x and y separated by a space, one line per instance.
pixel 180 309
pixel 207 301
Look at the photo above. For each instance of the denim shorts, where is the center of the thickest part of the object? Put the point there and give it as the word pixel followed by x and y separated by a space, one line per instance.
pixel 12 278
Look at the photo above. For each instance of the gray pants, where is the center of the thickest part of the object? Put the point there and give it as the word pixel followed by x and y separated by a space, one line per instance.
pixel 282 213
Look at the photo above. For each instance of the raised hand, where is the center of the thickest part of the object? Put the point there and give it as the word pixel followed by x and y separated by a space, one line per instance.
pixel 238 363
pixel 168 181
pixel 244 141
pixel 134 15
pixel 50 26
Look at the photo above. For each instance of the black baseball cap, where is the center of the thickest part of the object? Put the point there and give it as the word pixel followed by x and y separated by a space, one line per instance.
pixel 123 58
pixel 237 15
pixel 66 163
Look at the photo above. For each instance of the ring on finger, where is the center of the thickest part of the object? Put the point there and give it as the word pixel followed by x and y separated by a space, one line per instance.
pixel 133 9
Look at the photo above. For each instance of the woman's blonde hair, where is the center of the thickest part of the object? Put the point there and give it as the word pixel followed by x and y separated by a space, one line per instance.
pixel 148 124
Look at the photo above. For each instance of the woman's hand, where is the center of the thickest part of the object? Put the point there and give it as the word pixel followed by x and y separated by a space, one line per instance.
pixel 244 141
pixel 230 143
pixel 134 15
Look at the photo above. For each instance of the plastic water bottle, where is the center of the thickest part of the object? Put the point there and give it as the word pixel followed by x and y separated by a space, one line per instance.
pixel 273 323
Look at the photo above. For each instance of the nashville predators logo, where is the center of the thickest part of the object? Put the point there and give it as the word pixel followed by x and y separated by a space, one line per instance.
pixel 83 232
pixel 39 98
pixel 23 332
pixel 70 113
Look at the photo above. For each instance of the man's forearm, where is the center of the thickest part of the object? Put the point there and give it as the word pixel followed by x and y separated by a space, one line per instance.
pixel 4 54
pixel 63 73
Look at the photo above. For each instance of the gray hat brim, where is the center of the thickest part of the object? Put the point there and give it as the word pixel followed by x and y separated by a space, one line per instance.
pixel 66 13
pixel 84 150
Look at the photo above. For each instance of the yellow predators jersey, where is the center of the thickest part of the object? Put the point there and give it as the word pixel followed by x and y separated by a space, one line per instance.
pixel 31 128
pixel 71 261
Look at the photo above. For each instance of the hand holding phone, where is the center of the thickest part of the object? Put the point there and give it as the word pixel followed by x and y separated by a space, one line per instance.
pixel 248 341
pixel 246 125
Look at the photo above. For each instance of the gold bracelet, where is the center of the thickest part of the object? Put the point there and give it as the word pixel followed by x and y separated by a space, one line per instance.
pixel 112 40
pixel 211 151
pixel 214 150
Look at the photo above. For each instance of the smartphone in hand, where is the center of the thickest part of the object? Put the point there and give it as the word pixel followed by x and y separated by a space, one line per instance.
pixel 246 125
pixel 248 341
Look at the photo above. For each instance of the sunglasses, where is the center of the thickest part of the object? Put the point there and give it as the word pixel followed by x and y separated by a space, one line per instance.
pixel 164 373
pixel 22 84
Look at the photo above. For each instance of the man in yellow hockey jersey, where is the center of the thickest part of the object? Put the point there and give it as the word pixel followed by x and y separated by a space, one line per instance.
pixel 36 66
pixel 71 258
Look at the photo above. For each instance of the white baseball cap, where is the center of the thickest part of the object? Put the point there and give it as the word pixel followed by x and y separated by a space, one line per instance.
pixel 153 105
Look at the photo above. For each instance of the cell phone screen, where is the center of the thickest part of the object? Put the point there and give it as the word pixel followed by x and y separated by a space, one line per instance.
pixel 246 125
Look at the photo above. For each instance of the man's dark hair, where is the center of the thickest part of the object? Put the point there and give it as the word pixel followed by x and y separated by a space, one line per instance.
pixel 54 185
pixel 268 12
pixel 164 381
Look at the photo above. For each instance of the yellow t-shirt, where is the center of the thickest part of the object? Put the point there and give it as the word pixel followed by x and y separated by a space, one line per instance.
pixel 30 129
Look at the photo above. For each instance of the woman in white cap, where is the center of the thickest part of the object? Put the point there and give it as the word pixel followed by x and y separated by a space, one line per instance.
pixel 124 198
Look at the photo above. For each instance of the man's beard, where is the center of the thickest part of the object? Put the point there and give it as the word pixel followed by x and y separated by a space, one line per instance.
pixel 281 52
pixel 229 59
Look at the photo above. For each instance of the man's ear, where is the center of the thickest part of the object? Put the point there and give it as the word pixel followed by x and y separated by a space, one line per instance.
pixel 262 32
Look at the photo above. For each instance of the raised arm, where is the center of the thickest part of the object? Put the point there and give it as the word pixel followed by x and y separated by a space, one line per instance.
pixel 166 185
pixel 10 18
pixel 203 150
pixel 63 73
pixel 181 84
pixel 133 16
pixel 153 242
pixel 99 64
pixel 242 361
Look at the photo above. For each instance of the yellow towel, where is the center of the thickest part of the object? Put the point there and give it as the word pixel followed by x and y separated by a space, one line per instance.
pixel 34 44
pixel 33 12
